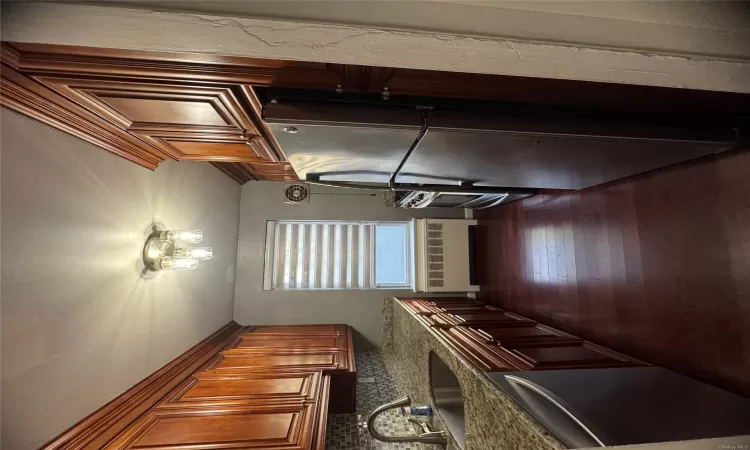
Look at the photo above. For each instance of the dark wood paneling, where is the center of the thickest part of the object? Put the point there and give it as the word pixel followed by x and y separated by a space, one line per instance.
pixel 111 419
pixel 656 266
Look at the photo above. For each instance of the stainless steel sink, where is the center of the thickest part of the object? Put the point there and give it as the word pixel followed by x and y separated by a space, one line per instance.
pixel 448 399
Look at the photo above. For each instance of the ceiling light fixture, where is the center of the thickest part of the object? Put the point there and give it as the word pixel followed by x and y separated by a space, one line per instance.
pixel 165 250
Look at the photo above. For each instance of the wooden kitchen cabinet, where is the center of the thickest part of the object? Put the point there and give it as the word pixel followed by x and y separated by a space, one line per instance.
pixel 274 398
pixel 326 348
pixel 149 107
pixel 497 340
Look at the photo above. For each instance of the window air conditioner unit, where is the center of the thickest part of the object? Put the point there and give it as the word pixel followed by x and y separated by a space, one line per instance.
pixel 444 255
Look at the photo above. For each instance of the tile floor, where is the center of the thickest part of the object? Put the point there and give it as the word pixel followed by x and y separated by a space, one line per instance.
pixel 374 387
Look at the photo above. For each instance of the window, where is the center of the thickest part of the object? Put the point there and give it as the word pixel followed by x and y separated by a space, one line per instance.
pixel 337 255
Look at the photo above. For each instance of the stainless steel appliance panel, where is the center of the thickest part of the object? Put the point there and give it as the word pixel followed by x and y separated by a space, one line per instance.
pixel 365 143
pixel 343 144
pixel 620 406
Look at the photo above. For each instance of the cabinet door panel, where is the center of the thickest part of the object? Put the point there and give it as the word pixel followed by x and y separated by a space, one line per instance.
pixel 510 335
pixel 205 389
pixel 298 330
pixel 264 361
pixel 185 122
pixel 474 318
pixel 478 354
pixel 283 427
pixel 564 356
pixel 251 342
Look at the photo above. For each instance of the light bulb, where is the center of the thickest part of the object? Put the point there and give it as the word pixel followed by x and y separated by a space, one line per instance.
pixel 170 263
pixel 203 253
pixel 191 236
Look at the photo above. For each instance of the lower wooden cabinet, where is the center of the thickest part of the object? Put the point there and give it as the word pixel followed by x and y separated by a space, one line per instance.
pixel 282 426
pixel 577 355
pixel 241 388
pixel 497 340
pixel 325 348
pixel 208 389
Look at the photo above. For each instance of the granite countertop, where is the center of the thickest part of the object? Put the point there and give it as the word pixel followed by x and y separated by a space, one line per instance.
pixel 493 420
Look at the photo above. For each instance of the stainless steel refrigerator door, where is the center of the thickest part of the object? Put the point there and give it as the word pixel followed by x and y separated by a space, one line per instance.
pixel 344 142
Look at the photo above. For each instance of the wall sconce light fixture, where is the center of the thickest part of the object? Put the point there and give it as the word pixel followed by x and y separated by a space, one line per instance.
pixel 166 250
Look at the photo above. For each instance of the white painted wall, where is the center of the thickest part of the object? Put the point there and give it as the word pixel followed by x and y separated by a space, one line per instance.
pixel 359 308
pixel 79 323
pixel 696 47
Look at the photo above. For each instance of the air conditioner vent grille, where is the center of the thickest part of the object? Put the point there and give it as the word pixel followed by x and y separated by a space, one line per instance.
pixel 435 274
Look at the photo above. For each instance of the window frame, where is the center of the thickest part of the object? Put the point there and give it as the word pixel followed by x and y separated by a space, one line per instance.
pixel 270 251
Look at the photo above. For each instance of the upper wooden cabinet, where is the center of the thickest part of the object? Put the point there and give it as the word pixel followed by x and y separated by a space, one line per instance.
pixel 149 107
pixel 207 123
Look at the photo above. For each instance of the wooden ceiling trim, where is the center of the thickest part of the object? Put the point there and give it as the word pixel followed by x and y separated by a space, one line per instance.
pixel 239 172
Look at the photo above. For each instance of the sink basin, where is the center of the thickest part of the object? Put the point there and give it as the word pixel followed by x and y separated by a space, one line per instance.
pixel 448 399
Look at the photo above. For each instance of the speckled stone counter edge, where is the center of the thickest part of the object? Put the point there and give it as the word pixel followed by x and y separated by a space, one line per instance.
pixel 493 420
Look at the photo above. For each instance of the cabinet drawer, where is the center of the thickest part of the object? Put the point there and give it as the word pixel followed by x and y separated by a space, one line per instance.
pixel 485 318
pixel 281 427
pixel 279 360
pixel 211 389
pixel 251 342
pixel 478 354
pixel 561 356
pixel 298 330
pixel 518 334
pixel 420 307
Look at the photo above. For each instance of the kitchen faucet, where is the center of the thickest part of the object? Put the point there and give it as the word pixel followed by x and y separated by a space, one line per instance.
pixel 427 437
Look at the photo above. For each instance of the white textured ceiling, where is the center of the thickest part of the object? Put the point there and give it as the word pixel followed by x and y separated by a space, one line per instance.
pixel 716 29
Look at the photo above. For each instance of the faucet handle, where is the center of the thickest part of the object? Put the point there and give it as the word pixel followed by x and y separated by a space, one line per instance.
pixel 424 426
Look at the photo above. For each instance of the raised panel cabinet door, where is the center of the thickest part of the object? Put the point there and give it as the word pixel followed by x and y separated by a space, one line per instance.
pixel 527 333
pixel 298 330
pixel 490 317
pixel 280 427
pixel 563 356
pixel 477 318
pixel 478 354
pixel 279 360
pixel 210 389
pixel 250 342
pixel 467 309
pixel 195 122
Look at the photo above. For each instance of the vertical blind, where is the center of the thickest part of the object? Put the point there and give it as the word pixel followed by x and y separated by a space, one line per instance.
pixel 323 255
